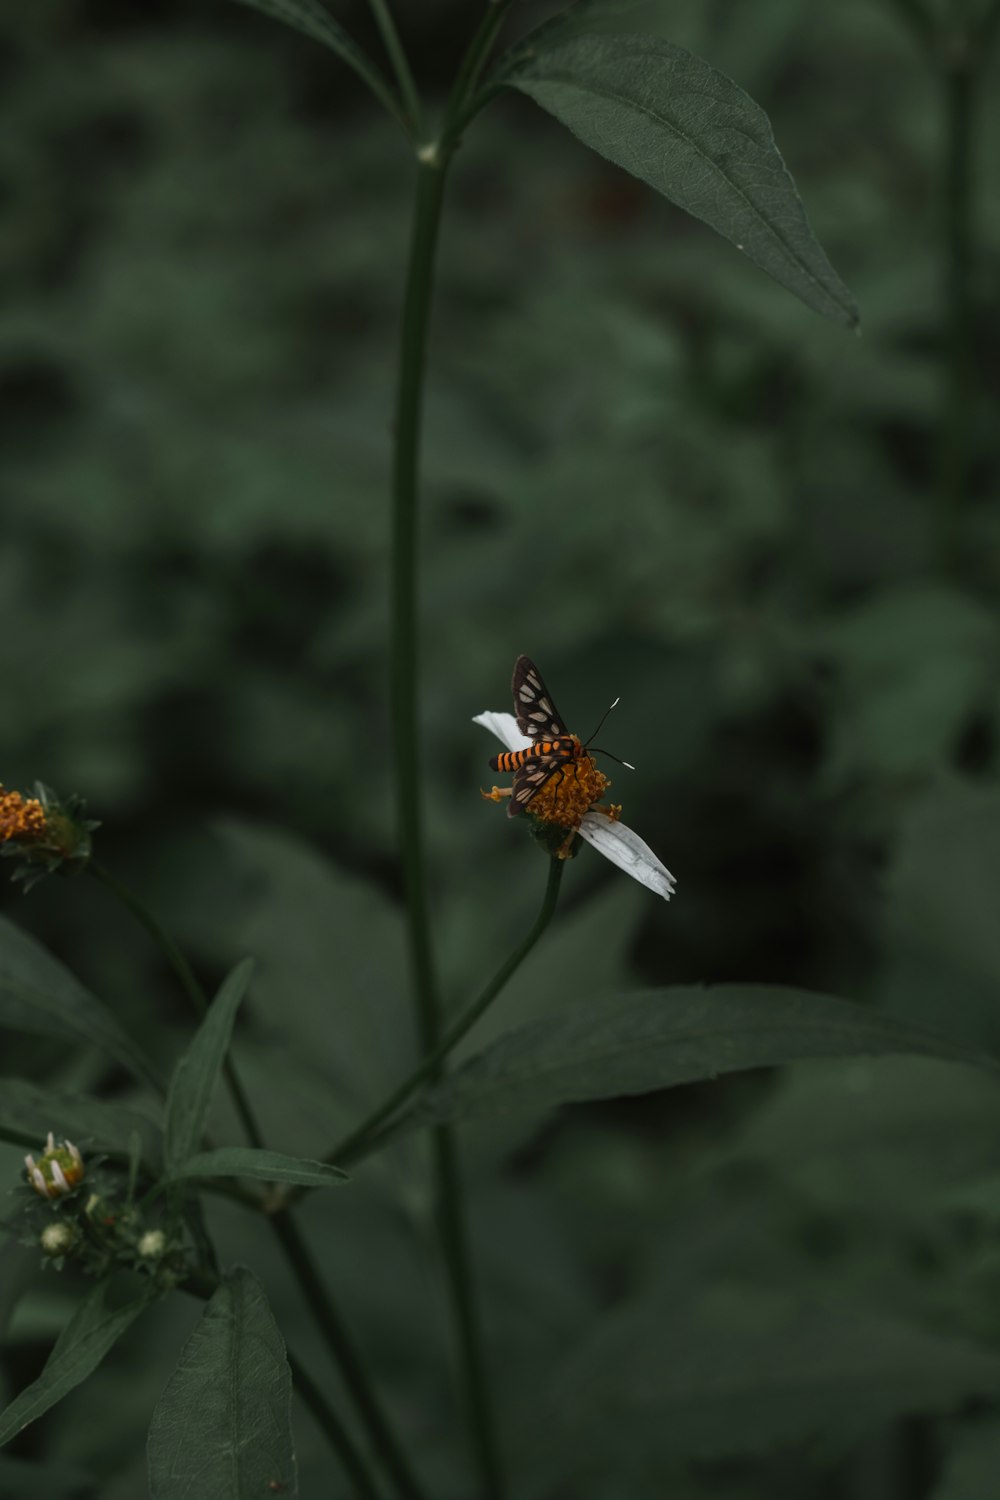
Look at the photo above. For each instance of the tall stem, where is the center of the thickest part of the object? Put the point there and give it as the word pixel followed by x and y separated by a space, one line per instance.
pixel 431 169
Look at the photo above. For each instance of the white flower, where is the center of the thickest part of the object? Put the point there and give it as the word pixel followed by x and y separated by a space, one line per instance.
pixel 606 834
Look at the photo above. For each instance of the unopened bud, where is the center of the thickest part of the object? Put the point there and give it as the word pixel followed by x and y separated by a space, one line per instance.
pixel 57 1171
pixel 57 1239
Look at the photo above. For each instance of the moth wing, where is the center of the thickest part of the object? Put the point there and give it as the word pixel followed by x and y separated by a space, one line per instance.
pixel 536 714
pixel 529 779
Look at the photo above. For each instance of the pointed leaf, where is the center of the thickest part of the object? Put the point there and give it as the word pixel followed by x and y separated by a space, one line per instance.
pixel 28 1113
pixel 267 1166
pixel 223 1424
pixel 656 1039
pixel 40 996
pixel 694 135
pixel 81 1346
pixel 313 20
pixel 195 1078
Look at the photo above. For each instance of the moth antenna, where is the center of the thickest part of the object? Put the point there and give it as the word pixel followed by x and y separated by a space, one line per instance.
pixel 601 725
pixel 626 763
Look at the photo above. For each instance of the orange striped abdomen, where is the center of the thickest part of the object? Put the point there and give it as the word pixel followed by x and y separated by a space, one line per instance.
pixel 564 748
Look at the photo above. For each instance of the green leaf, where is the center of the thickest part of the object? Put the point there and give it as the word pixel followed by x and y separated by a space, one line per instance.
pixel 40 996
pixel 223 1424
pixel 79 1349
pixel 28 1113
pixel 310 18
pixel 197 1074
pixel 267 1166
pixel 694 135
pixel 731 1374
pixel 656 1039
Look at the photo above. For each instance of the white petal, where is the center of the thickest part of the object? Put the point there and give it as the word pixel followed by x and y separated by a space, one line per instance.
pixel 627 850
pixel 504 726
pixel 57 1177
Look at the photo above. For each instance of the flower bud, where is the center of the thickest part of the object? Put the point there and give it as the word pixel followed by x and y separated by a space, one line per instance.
pixel 152 1244
pixel 58 1170
pixel 58 1239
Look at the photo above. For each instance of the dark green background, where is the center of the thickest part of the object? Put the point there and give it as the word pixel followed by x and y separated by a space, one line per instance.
pixel 658 474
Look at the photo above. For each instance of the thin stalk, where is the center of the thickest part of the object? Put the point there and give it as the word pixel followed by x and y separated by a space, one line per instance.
pixel 988 27
pixel 431 170
pixel 337 1435
pixel 471 68
pixel 400 62
pixel 959 78
pixel 189 983
pixel 356 1145
pixel 920 20
pixel 335 1332
pixel 201 1284
pixel 317 1295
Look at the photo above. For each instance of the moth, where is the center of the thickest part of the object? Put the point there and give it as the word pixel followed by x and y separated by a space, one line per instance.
pixel 553 751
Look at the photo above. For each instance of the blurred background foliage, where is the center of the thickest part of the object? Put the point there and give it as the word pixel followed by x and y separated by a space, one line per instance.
pixel 661 476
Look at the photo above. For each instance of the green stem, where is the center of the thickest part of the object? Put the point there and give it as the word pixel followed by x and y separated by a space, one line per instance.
pixel 400 63
pixel 316 1294
pixel 471 69
pixel 334 1330
pixel 431 170
pixel 202 1283
pixel 356 1145
pixel 920 20
pixel 337 1435
pixel 189 983
pixel 959 78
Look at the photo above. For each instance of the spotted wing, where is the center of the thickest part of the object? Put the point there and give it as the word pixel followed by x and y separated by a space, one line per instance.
pixel 534 710
pixel 530 778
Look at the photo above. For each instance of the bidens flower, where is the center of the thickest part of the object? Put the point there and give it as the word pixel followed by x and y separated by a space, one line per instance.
pixel 43 833
pixel 57 1171
pixel 568 805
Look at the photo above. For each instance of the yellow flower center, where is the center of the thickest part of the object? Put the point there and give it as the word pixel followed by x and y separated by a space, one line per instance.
pixel 569 793
pixel 20 818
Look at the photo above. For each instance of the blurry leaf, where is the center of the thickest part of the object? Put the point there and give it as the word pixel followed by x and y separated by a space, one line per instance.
pixel 941 914
pixel 223 1424
pixel 313 20
pixel 28 1112
pixel 197 1073
pixel 268 1166
pixel 695 136
pixel 727 1375
pixel 910 664
pixel 79 1349
pixel 972 1464
pixel 39 995
pixel 659 1038
pixel 890 1135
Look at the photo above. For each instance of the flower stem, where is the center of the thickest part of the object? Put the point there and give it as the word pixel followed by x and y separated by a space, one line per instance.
pixel 431 171
pixel 361 1140
pixel 337 1435
pixel 189 983
pixel 317 1295
pixel 335 1332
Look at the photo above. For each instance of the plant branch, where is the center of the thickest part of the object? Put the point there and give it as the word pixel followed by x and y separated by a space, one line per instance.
pixel 338 1339
pixel 357 1145
pixel 400 63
